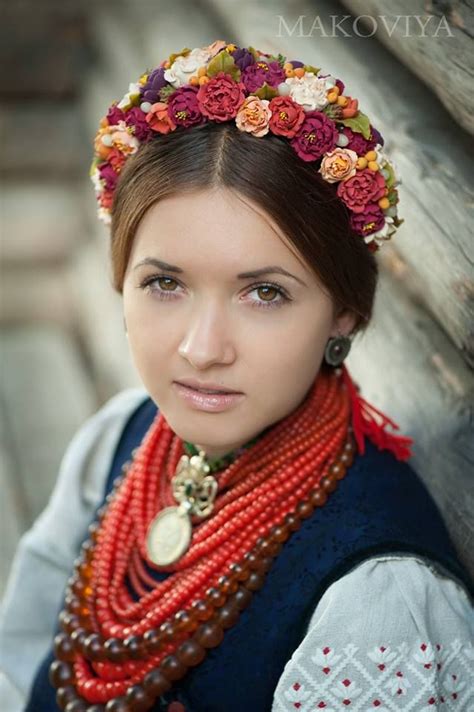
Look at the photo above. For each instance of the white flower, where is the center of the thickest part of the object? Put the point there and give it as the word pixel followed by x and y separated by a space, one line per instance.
pixel 383 234
pixel 347 689
pixel 297 693
pixel 452 683
pixel 97 181
pixel 398 684
pixel 309 90
pixel 127 100
pixel 380 655
pixel 425 655
pixel 183 68
pixel 104 215
pixel 325 657
pixel 383 162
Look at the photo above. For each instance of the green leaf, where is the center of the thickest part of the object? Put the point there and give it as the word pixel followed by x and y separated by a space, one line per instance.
pixel 223 62
pixel 266 92
pixel 94 165
pixel 391 179
pixel 254 52
pixel 165 92
pixel 281 60
pixel 393 197
pixel 359 124
pixel 310 68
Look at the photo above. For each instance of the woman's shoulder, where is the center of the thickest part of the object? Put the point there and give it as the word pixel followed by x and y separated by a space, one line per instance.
pixel 394 629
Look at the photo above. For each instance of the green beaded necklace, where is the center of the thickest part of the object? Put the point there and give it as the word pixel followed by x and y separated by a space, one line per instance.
pixel 219 463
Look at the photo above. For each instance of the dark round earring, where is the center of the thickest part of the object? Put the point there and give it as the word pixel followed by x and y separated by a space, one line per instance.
pixel 337 349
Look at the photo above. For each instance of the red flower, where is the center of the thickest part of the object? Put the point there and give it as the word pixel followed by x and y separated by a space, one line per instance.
pixel 317 136
pixel 365 187
pixel 220 97
pixel 287 116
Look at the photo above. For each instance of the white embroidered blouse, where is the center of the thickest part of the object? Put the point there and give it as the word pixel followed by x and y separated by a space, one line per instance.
pixel 394 633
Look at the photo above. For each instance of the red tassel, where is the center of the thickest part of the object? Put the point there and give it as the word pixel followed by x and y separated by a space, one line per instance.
pixel 364 422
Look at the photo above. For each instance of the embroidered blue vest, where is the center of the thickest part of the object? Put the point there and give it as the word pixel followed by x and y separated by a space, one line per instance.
pixel 381 506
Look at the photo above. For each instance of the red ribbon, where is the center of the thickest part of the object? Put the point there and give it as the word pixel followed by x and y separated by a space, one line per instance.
pixel 364 422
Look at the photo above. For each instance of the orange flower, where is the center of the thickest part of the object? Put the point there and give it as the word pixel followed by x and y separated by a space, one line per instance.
pixel 350 109
pixel 339 164
pixel 253 116
pixel 159 119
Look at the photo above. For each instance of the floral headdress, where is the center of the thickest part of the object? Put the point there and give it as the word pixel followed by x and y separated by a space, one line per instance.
pixel 262 94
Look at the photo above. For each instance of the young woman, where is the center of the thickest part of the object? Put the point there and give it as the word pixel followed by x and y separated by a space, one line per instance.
pixel 255 538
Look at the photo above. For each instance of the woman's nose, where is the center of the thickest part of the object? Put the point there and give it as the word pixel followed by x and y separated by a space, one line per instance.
pixel 207 339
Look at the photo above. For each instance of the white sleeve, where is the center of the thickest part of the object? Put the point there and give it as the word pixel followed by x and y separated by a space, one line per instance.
pixel 45 554
pixel 395 633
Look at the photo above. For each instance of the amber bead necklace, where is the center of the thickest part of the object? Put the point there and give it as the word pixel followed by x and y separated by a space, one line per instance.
pixel 118 654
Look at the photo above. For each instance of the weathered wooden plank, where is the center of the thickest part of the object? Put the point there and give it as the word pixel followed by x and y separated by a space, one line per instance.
pixel 107 346
pixel 435 41
pixel 46 395
pixel 432 155
pixel 44 138
pixel 418 378
pixel 41 222
pixel 45 44
pixel 29 293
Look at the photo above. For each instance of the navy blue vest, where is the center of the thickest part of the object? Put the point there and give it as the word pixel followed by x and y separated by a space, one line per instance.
pixel 381 506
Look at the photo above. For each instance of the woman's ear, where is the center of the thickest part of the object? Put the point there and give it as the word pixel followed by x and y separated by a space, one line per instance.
pixel 344 323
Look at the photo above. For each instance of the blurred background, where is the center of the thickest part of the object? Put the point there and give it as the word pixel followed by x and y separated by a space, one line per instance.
pixel 63 350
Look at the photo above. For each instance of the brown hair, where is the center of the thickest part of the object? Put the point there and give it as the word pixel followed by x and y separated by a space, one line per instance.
pixel 265 170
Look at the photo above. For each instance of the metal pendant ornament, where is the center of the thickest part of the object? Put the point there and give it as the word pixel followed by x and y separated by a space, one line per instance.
pixel 337 349
pixel 169 533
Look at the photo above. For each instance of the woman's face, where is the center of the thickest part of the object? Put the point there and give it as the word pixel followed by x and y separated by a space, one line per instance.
pixel 263 336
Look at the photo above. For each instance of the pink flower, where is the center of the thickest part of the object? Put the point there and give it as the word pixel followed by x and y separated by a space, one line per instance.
pixel 317 135
pixel 221 97
pixel 287 116
pixel 339 164
pixel 371 219
pixel 365 187
pixel 159 119
pixel 357 142
pixel 215 47
pixel 253 116
pixel 114 115
pixel 135 118
pixel 255 75
pixel 109 176
pixel 183 107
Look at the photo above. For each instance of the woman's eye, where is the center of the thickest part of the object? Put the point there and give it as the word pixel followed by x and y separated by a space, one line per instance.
pixel 270 295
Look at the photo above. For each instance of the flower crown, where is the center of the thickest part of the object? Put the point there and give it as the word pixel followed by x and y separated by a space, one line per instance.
pixel 262 94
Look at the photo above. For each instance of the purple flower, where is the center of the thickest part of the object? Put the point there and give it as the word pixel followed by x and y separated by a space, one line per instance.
pixel 156 81
pixel 357 142
pixel 136 118
pixel 114 115
pixel 341 86
pixel 370 220
pixel 376 137
pixel 296 63
pixel 183 107
pixel 317 135
pixel 108 175
pixel 242 58
pixel 254 76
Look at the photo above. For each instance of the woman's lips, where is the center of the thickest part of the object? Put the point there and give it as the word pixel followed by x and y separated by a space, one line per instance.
pixel 211 402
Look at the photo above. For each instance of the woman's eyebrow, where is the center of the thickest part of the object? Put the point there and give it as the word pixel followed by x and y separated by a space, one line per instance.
pixel 272 269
